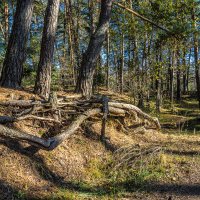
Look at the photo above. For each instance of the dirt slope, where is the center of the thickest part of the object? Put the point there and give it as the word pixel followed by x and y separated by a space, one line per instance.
pixel 77 168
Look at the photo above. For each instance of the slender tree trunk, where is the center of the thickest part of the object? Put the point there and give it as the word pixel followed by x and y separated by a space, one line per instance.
pixel 15 55
pixel 116 70
pixel 76 39
pixel 184 72
pixel 63 67
pixel 121 69
pixel 43 79
pixel 169 72
pixel 107 60
pixel 86 74
pixel 172 80
pixel 178 73
pixel 70 39
pixel 188 72
pixel 158 82
pixel 196 52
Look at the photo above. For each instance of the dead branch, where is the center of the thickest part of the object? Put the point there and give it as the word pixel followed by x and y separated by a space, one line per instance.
pixel 141 17
pixel 37 118
pixel 21 103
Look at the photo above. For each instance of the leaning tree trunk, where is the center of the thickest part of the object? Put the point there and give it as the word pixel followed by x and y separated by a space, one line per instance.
pixel 15 56
pixel 87 70
pixel 43 79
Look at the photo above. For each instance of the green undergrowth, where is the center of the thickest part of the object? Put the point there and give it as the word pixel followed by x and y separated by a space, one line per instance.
pixel 182 118
pixel 106 182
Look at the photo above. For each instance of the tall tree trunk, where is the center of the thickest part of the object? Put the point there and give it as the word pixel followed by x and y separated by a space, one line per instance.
pixel 86 74
pixel 184 72
pixel 43 79
pixel 6 21
pixel 70 39
pixel 15 55
pixel 76 39
pixel 196 52
pixel 169 72
pixel 188 72
pixel 172 80
pixel 107 60
pixel 121 69
pixel 178 73
pixel 158 81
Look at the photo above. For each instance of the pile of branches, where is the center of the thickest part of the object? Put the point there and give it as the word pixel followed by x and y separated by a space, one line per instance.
pixel 60 108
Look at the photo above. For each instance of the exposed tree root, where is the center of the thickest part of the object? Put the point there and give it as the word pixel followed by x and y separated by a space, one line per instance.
pixel 139 112
pixel 106 108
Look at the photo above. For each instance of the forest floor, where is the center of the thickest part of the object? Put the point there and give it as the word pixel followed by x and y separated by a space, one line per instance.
pixel 81 167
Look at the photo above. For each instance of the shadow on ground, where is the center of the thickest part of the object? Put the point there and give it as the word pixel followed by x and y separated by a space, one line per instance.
pixel 9 192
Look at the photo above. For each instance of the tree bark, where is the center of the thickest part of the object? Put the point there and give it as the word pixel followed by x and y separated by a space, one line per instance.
pixel 196 52
pixel 43 79
pixel 87 70
pixel 172 79
pixel 107 60
pixel 178 73
pixel 184 72
pixel 158 81
pixel 6 21
pixel 188 71
pixel 70 39
pixel 15 55
pixel 121 68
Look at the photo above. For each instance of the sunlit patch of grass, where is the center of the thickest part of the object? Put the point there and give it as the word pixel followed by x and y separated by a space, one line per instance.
pixel 95 169
pixel 63 194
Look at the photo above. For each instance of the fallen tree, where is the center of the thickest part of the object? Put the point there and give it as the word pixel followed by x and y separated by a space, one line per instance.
pixel 97 106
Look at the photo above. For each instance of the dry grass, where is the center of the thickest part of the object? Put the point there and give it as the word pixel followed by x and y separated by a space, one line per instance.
pixel 82 159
